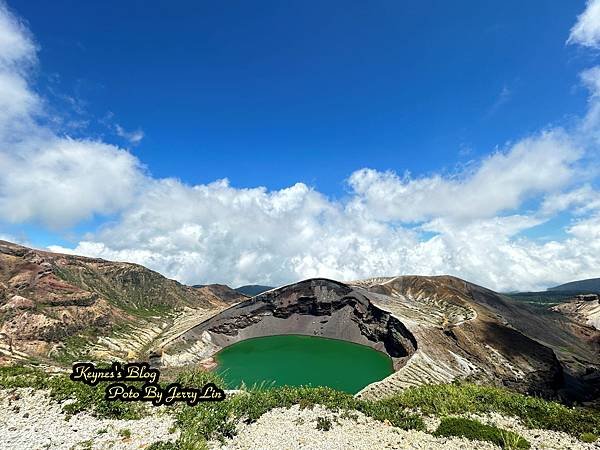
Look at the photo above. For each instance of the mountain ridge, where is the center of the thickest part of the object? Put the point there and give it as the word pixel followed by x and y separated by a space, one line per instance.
pixel 590 285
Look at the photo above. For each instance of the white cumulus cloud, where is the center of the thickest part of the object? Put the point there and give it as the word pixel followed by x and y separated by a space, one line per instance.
pixel 45 176
pixel 16 44
pixel 586 30
pixel 538 164
pixel 61 181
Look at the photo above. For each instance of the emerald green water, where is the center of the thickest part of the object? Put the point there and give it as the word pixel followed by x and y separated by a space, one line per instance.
pixel 302 360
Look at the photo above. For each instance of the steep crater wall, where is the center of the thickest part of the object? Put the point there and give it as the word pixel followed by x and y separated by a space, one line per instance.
pixel 316 307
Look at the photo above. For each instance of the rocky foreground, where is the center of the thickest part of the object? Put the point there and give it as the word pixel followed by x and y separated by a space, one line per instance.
pixel 31 420
pixel 296 428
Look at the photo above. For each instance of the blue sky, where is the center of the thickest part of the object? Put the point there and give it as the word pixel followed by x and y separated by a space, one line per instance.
pixel 291 102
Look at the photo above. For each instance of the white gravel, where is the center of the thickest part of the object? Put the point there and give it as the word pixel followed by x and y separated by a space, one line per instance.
pixel 296 428
pixel 30 420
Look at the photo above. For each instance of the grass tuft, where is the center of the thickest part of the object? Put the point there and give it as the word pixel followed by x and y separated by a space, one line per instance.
pixel 324 423
pixel 164 445
pixel 589 438
pixel 474 430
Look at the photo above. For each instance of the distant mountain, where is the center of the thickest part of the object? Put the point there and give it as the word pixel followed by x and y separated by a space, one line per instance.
pixel 223 292
pixel 581 286
pixel 253 289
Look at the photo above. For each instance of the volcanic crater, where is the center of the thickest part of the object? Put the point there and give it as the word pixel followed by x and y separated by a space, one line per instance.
pixel 435 330
pixel 314 307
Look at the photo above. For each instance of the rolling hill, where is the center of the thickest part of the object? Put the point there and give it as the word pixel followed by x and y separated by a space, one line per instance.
pixel 591 285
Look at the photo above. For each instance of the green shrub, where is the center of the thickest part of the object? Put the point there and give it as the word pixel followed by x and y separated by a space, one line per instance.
pixel 197 378
pixel 22 376
pixel 86 445
pixel 588 437
pixel 473 430
pixel 324 423
pixel 383 410
pixel 535 412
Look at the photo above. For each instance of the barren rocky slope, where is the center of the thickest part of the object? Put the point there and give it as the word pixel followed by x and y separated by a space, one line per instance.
pixel 52 302
pixel 582 317
pixel 586 312
pixel 490 335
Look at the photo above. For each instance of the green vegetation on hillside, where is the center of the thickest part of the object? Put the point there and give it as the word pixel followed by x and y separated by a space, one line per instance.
pixel 129 286
pixel 448 399
pixel 543 299
pixel 588 437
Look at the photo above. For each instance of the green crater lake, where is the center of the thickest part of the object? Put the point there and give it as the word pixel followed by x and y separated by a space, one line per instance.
pixel 295 360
